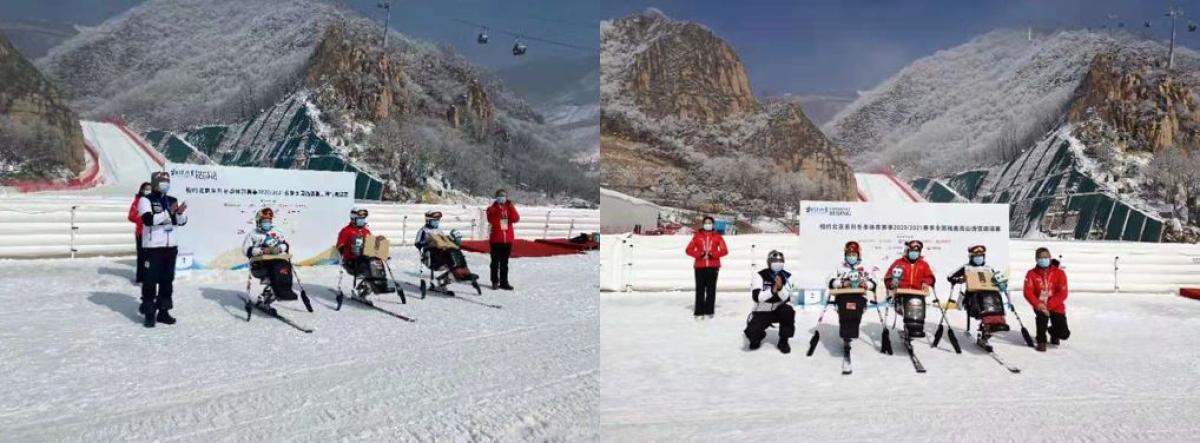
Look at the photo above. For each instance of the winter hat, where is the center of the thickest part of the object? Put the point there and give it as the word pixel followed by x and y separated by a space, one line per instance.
pixel 852 246
pixel 915 245
pixel 264 214
pixel 159 177
pixel 433 215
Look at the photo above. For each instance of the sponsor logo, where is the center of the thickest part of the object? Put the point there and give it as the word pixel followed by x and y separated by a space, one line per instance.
pixel 834 211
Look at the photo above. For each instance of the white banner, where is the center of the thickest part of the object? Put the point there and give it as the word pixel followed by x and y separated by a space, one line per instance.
pixel 310 207
pixel 946 229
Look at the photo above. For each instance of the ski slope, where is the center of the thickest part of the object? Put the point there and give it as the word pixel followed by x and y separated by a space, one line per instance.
pixel 1126 374
pixel 884 188
pixel 123 163
pixel 78 366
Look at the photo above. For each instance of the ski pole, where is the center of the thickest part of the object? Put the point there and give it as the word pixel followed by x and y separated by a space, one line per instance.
pixel 303 293
pixel 1024 332
pixel 249 297
pixel 816 337
pixel 399 290
pixel 340 295
pixel 885 345
pixel 945 322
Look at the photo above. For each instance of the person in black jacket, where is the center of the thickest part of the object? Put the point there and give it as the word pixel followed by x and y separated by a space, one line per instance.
pixel 771 292
pixel 161 214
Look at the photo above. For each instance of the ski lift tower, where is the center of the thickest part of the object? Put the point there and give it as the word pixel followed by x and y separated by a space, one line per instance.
pixel 1173 12
pixel 386 5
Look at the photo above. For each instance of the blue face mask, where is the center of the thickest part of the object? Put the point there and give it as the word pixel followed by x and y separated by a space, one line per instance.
pixel 501 199
pixel 433 224
pixel 1043 262
pixel 776 266
pixel 360 222
pixel 164 187
pixel 977 260
pixel 852 260
pixel 266 226
pixel 913 255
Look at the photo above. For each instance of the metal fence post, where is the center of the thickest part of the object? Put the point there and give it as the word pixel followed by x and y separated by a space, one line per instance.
pixel 546 229
pixel 404 230
pixel 73 229
pixel 571 228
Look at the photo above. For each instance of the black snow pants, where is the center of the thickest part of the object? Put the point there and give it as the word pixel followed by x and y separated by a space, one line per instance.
pixel 1055 324
pixel 500 253
pixel 279 274
pixel 706 291
pixel 756 329
pixel 139 274
pixel 850 312
pixel 159 280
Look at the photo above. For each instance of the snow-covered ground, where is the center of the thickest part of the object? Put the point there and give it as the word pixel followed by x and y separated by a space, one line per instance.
pixel 1128 373
pixel 123 164
pixel 76 364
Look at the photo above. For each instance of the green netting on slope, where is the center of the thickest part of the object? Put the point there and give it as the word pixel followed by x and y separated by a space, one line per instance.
pixel 967 184
pixel 1114 224
pixel 1133 226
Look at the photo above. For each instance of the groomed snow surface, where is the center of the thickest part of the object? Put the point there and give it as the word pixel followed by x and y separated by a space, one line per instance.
pixel 1128 373
pixel 77 365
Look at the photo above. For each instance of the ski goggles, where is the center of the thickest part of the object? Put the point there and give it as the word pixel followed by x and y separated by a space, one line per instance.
pixel 977 250
pixel 359 213
pixel 915 245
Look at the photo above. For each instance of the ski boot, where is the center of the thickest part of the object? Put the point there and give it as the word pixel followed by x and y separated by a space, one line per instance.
pixel 982 340
pixel 265 299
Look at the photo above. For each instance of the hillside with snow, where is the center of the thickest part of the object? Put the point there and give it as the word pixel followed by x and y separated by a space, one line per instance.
pixel 965 104
pixel 417 121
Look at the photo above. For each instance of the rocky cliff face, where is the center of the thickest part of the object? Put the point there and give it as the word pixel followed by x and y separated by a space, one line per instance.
pixel 353 73
pixel 1153 110
pixel 39 135
pixel 676 105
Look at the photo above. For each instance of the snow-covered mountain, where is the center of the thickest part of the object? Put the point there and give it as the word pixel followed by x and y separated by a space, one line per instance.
pixel 415 120
pixel 680 126
pixel 40 137
pixel 1075 129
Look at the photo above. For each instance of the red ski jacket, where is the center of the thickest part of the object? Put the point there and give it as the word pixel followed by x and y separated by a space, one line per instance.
pixel 135 217
pixel 346 239
pixel 501 218
pixel 916 274
pixel 707 242
pixel 1053 281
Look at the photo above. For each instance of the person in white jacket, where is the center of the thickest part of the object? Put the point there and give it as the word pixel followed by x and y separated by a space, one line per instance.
pixel 850 274
pixel 772 292
pixel 265 240
pixel 161 214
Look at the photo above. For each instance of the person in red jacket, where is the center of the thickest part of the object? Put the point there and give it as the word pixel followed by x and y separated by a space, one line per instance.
pixel 707 247
pixel 140 272
pixel 910 272
pixel 501 216
pixel 1046 290
pixel 350 239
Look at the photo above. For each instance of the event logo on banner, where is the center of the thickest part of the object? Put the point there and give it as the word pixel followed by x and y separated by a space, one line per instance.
pixel 310 207
pixel 946 229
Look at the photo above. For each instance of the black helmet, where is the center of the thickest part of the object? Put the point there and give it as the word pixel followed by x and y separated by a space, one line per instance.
pixel 774 256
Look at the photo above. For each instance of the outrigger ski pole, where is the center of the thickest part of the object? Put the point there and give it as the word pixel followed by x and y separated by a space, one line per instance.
pixel 944 323
pixel 816 337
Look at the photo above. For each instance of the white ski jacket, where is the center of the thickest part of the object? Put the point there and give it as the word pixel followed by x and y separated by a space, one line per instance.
pixel 844 275
pixel 258 243
pixel 158 223
pixel 764 282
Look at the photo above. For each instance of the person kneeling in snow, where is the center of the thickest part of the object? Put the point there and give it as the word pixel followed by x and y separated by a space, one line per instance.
pixel 264 247
pixel 439 250
pixel 1046 290
pixel 771 292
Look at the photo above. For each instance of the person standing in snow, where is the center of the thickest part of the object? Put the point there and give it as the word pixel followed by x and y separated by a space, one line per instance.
pixel 772 294
pixel 265 241
pixel 707 247
pixel 139 272
pixel 910 272
pixel 501 216
pixel 161 214
pixel 1046 291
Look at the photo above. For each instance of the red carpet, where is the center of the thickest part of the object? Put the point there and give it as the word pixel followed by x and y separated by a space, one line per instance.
pixel 585 246
pixel 521 248
pixel 1192 293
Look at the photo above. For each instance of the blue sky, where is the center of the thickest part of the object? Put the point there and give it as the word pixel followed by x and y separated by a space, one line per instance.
pixel 572 22
pixel 846 45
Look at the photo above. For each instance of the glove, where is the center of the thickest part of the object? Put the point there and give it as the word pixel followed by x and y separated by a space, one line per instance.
pixel 256 251
pixel 837 283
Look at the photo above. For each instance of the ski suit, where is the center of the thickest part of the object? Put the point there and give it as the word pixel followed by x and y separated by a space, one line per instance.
pixel 1048 286
pixel 501 218
pixel 707 247
pixel 850 306
pixel 771 306
pixel 160 247
pixel 277 273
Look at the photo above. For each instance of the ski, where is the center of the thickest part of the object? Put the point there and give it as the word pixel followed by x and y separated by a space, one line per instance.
pixel 911 354
pixel 274 313
pixel 992 352
pixel 451 294
pixel 371 305
pixel 846 368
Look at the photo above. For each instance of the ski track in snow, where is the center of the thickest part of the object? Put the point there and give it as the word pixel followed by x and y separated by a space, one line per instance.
pixel 77 365
pixel 1128 373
